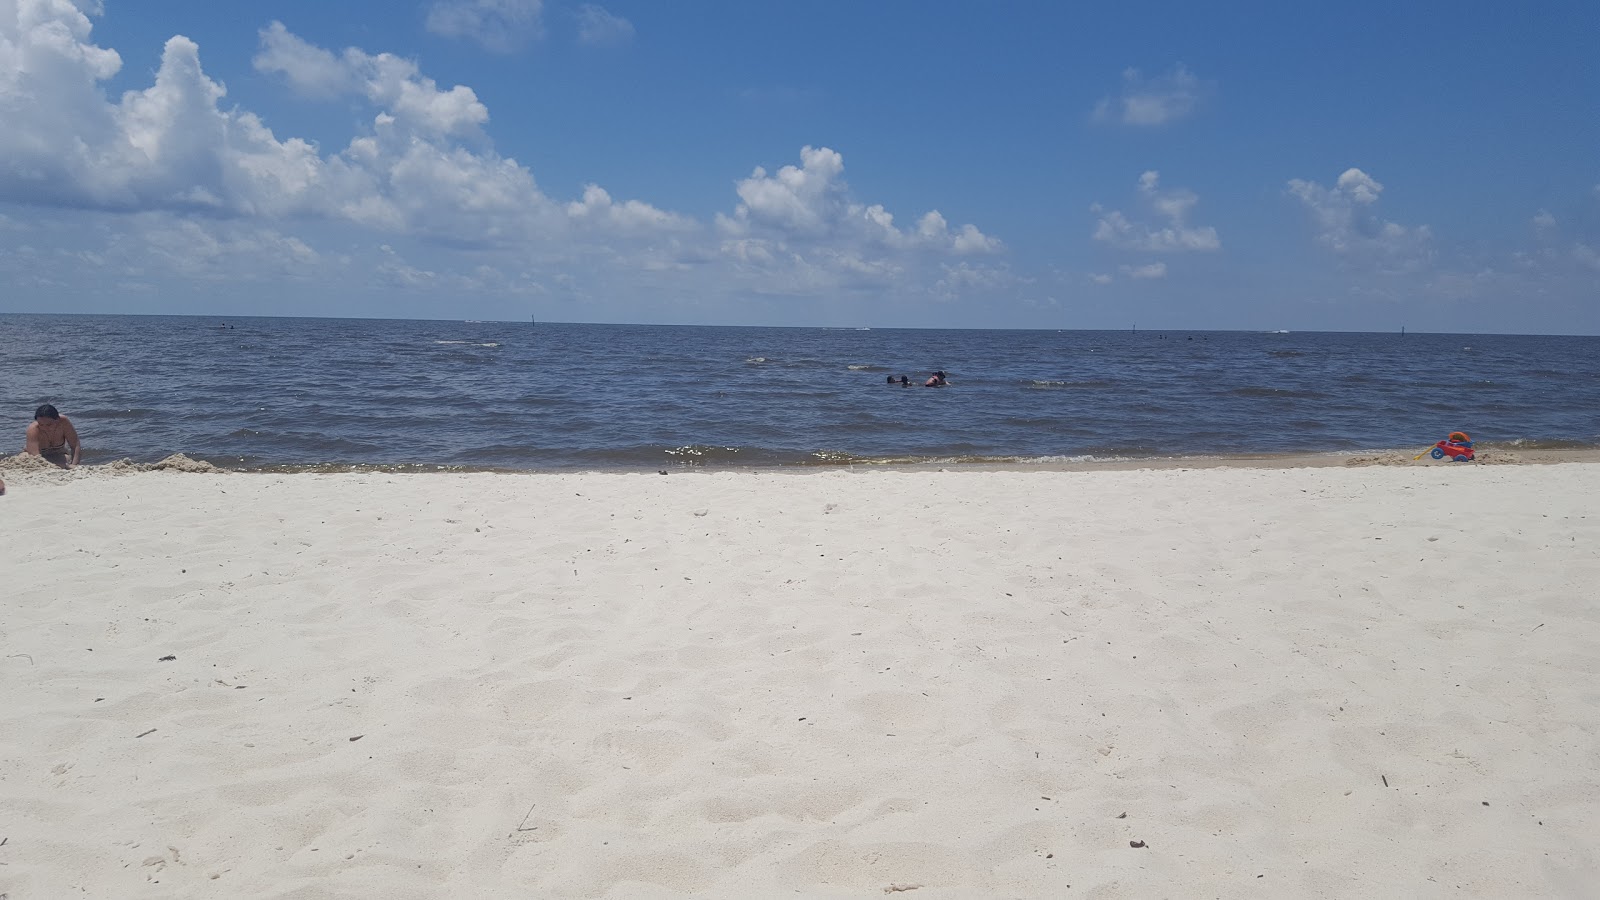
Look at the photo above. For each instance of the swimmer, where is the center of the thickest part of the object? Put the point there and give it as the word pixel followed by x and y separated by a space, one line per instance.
pixel 936 381
pixel 904 381
pixel 51 436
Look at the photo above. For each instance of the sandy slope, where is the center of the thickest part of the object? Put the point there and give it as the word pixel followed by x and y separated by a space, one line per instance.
pixel 830 685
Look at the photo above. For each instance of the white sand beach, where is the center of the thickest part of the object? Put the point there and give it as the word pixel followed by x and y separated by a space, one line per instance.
pixel 1276 682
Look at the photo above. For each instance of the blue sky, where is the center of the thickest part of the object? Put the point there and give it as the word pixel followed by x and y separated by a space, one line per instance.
pixel 1171 165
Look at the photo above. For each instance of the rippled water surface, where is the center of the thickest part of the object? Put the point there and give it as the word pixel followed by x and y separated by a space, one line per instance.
pixel 305 392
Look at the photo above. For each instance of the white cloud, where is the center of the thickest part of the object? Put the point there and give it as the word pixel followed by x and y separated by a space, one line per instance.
pixel 310 70
pixel 812 203
pixel 807 200
pixel 1100 278
pixel 1347 225
pixel 1146 272
pixel 597 26
pixel 597 205
pixel 1173 233
pixel 423 167
pixel 1153 101
pixel 224 252
pixel 499 25
pixel 166 146
pixel 389 82
pixel 1543 222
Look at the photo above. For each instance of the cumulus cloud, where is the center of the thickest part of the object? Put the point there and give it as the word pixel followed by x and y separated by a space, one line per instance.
pixel 598 26
pixel 165 146
pixel 800 230
pixel 1172 231
pixel 1153 101
pixel 1346 223
pixel 422 166
pixel 387 81
pixel 597 206
pixel 498 25
pixel 811 203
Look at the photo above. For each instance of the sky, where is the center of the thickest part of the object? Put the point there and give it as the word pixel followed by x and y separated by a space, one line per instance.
pixel 1360 166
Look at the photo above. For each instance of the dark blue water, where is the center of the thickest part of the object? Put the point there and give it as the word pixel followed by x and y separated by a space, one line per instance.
pixel 307 392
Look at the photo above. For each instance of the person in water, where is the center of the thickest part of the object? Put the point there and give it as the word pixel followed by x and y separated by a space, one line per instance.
pixel 52 436
pixel 904 381
pixel 936 381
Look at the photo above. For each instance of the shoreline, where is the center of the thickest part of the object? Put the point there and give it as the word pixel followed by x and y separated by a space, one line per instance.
pixel 24 469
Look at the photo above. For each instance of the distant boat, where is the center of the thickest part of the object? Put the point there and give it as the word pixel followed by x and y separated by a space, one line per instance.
pixel 1279 331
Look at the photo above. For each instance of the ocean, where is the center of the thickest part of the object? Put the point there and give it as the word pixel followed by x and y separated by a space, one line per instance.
pixel 279 393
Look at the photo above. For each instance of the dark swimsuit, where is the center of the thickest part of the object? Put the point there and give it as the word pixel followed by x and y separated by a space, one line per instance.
pixel 57 454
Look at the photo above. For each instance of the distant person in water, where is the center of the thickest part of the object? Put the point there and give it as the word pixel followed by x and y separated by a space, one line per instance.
pixel 890 380
pixel 52 437
pixel 936 381
pixel 904 381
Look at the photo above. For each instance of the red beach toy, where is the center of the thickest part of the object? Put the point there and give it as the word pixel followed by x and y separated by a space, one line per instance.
pixel 1458 446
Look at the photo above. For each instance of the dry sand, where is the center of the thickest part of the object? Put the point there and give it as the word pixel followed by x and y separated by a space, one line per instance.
pixel 1310 682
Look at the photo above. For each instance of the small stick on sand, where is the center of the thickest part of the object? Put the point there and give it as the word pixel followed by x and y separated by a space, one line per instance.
pixel 525 818
pixel 137 736
pixel 1385 780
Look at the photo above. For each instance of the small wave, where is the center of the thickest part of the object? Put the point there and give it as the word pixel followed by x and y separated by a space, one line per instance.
pixel 789 363
pixel 866 367
pixel 1039 384
pixel 1281 393
pixel 455 342
pixel 1540 444
pixel 1285 354
pixel 703 453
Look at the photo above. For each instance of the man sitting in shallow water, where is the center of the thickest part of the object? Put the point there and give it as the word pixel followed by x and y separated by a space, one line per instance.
pixel 51 435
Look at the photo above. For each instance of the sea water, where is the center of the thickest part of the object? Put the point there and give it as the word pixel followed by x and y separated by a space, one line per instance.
pixel 289 393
